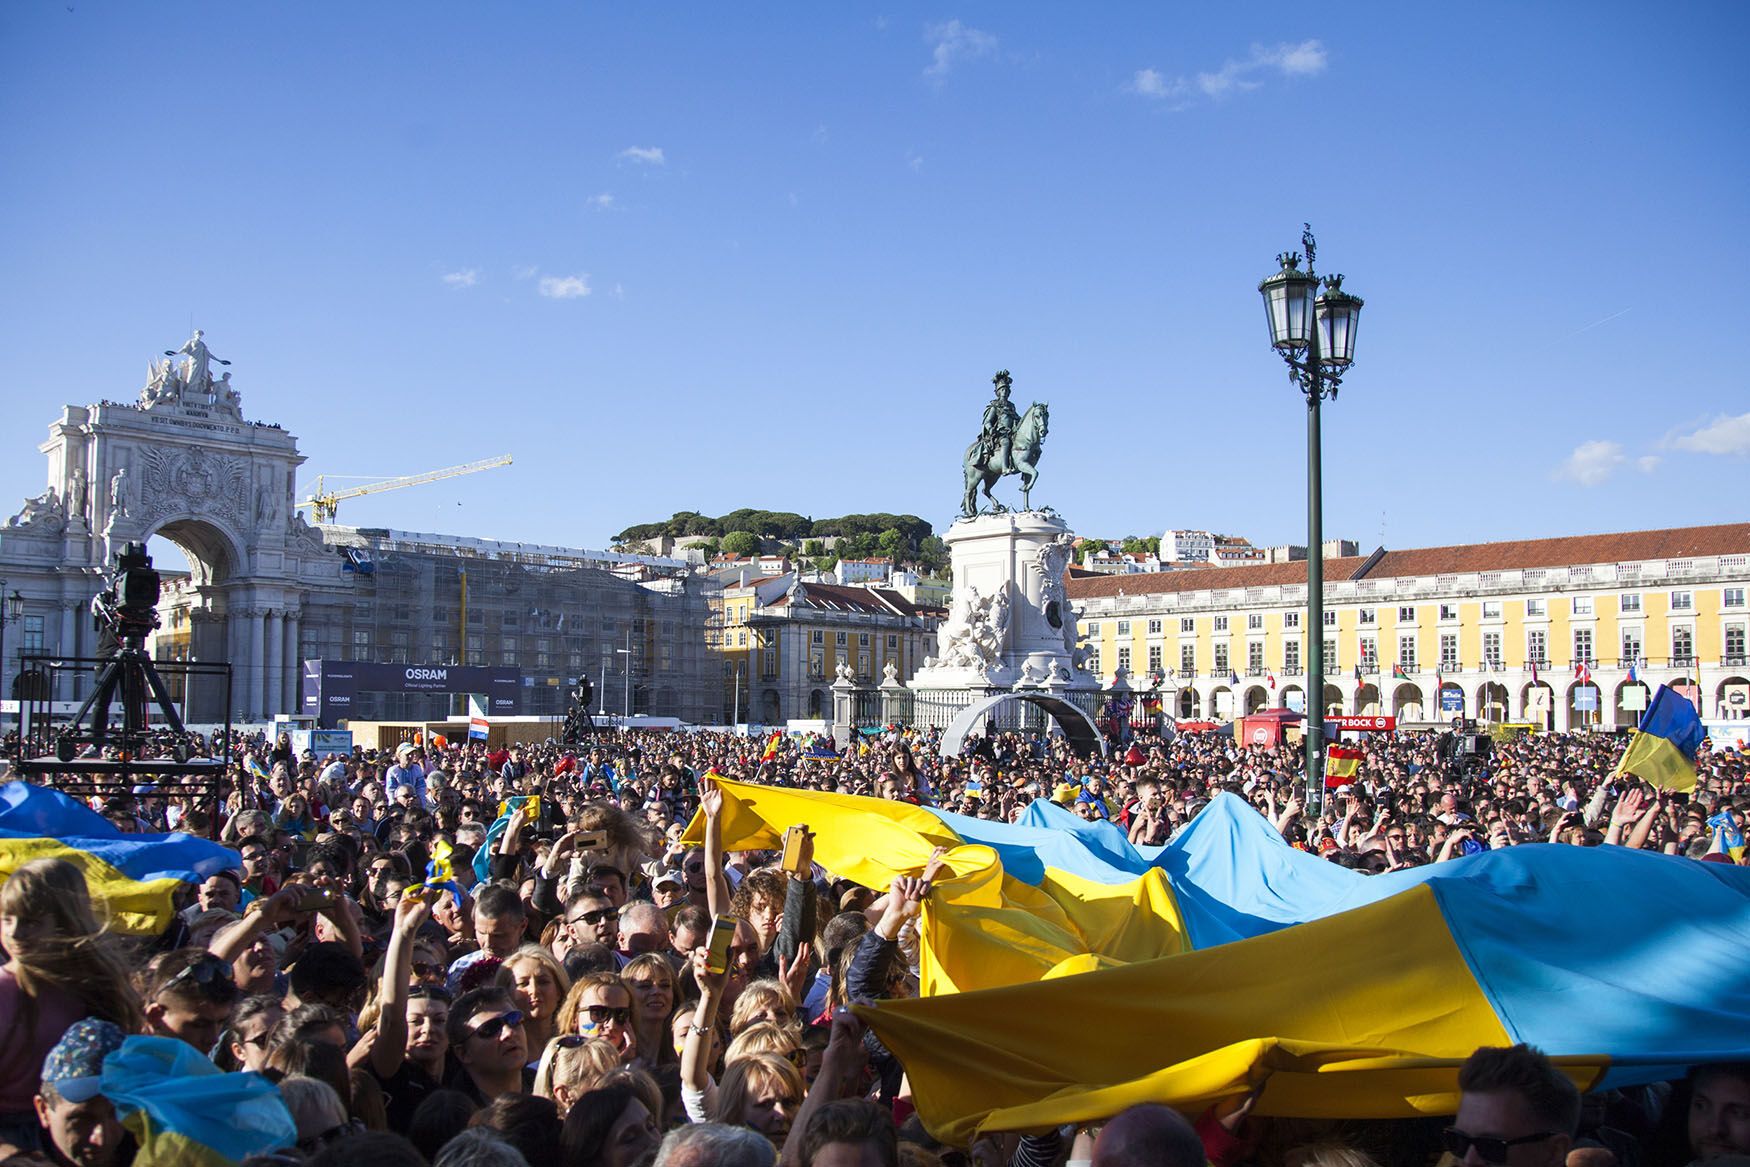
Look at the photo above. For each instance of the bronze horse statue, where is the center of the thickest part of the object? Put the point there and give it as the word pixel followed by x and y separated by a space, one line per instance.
pixel 981 464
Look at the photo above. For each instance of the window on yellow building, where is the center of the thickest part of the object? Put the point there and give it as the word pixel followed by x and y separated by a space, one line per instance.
pixel 1631 646
pixel 1682 601
pixel 1491 609
pixel 1582 605
pixel 1732 598
pixel 1124 628
pixel 1290 620
pixel 1407 615
pixel 1291 658
pixel 1407 651
pixel 1369 654
pixel 1365 616
pixel 1537 647
pixel 1187 623
pixel 1221 623
pixel 1188 660
pixel 1221 663
pixel 1491 650
pixel 1682 646
pixel 1154 658
pixel 1630 602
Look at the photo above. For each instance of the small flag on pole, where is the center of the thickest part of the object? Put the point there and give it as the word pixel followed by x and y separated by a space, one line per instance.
pixel 1342 763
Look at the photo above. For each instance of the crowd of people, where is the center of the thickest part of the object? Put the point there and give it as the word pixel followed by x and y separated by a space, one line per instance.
pixel 427 987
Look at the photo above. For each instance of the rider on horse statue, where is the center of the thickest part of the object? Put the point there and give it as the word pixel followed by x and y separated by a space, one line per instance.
pixel 1000 419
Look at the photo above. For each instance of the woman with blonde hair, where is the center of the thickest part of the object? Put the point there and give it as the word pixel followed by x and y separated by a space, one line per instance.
pixel 763 1000
pixel 763 1092
pixel 61 967
pixel 571 1066
pixel 650 979
pixel 765 1037
pixel 541 986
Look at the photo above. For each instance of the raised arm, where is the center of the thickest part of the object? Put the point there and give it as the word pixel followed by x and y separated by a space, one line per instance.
pixel 696 1051
pixel 716 882
pixel 390 1048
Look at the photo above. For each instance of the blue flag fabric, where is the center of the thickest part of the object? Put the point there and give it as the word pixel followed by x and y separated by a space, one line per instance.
pixel 185 1110
pixel 133 876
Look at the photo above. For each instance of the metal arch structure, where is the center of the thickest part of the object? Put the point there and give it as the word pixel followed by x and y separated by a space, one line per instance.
pixel 1084 737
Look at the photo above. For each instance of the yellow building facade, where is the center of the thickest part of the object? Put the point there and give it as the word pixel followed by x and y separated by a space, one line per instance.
pixel 781 643
pixel 1569 632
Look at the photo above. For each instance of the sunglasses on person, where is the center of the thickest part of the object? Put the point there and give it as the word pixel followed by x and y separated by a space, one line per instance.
pixel 1492 1150
pixel 428 992
pixel 425 970
pixel 493 1027
pixel 209 975
pixel 602 1014
pixel 595 916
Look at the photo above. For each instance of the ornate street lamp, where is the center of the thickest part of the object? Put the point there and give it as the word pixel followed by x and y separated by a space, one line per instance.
pixel 10 612
pixel 1315 334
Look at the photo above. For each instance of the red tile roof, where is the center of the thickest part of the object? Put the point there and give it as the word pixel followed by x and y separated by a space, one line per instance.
pixel 1623 547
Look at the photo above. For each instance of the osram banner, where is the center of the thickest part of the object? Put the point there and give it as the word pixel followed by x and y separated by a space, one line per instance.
pixel 331 687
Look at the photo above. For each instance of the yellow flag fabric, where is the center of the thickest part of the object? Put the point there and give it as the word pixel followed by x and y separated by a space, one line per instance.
pixel 981 928
pixel 1356 1033
pixel 1656 760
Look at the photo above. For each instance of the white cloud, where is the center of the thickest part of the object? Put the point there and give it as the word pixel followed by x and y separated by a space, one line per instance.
pixel 648 155
pixel 1305 59
pixel 524 271
pixel 564 287
pixel 1149 83
pixel 1647 463
pixel 954 42
pixel 1591 463
pixel 601 202
pixel 462 279
pixel 1722 435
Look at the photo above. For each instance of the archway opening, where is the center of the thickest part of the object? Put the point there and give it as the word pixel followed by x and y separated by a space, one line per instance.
pixel 1492 702
pixel 1406 702
pixel 197 562
pixel 1367 700
pixel 1078 728
pixel 1190 704
pixel 1333 700
pixel 1256 699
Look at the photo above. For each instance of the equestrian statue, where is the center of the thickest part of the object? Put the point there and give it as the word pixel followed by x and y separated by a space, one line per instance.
pixel 1008 443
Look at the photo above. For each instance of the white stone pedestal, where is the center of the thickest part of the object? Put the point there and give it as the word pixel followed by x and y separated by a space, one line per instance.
pixel 1010 624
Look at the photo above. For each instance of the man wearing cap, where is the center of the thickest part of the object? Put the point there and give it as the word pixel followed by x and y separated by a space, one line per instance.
pixel 409 772
pixel 80 1122
pixel 669 890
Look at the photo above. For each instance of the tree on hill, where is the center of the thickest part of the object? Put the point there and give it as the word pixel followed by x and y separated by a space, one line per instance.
pixel 740 543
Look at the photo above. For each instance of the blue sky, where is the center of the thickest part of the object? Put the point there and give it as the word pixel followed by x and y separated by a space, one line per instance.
pixel 704 256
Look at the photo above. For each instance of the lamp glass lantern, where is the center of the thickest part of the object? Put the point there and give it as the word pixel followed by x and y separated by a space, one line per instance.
pixel 14 605
pixel 1338 314
pixel 1288 304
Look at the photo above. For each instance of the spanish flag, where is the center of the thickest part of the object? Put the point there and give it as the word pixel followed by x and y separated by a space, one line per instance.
pixel 1342 763
pixel 1662 750
pixel 772 745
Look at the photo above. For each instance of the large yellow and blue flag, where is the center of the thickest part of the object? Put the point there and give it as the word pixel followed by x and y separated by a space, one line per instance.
pixel 1227 957
pixel 185 1112
pixel 1662 750
pixel 132 877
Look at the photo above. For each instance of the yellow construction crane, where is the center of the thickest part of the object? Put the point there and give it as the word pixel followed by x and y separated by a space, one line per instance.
pixel 325 504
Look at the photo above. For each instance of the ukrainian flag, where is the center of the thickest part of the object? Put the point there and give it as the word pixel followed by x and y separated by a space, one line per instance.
pixel 132 877
pixel 1080 974
pixel 1662 750
pixel 183 1110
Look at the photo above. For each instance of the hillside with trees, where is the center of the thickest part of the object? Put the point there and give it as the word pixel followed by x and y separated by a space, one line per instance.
pixel 902 538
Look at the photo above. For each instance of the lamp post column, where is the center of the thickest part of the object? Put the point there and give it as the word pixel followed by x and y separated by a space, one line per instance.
pixel 1315 607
